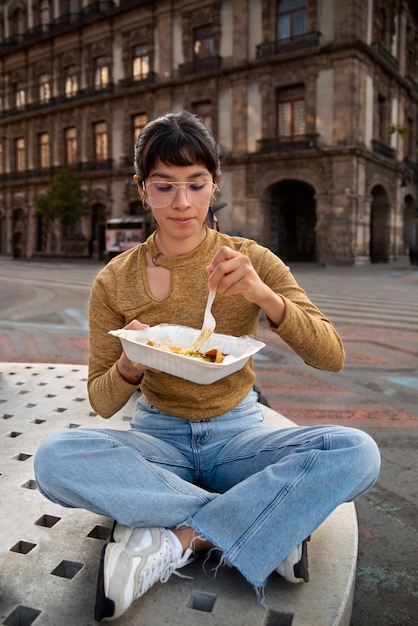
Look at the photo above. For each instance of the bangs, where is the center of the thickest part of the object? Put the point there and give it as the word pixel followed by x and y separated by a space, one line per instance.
pixel 176 139
pixel 178 150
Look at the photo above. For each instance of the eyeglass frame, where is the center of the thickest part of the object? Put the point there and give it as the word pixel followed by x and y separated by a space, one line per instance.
pixel 215 188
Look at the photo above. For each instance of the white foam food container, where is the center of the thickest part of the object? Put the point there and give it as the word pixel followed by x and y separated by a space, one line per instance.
pixel 237 349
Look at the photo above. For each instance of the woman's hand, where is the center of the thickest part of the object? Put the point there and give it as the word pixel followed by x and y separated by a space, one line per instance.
pixel 231 272
pixel 130 371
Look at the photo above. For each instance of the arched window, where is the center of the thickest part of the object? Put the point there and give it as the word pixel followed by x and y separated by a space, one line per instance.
pixel 101 72
pixel 18 22
pixel 203 43
pixel 20 154
pixel 100 141
pixel 70 82
pixel 138 123
pixel 44 17
pixel 70 139
pixel 20 95
pixel 291 19
pixel 140 62
pixel 291 112
pixel 44 154
pixel 44 88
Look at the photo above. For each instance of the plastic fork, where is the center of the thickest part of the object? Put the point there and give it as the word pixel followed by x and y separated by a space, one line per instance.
pixel 209 322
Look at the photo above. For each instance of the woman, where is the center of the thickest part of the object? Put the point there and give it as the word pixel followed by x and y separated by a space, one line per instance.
pixel 198 468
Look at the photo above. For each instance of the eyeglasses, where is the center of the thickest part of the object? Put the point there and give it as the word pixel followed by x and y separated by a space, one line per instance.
pixel 162 193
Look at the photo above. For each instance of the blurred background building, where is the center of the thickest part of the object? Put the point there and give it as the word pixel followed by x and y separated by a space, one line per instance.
pixel 314 104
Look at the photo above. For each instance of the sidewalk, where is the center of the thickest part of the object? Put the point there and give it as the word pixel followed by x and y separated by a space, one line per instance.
pixel 52 554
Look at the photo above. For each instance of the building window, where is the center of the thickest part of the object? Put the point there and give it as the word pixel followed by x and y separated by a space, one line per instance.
pixel 291 112
pixel 409 141
pixel 139 121
pixel 101 73
pixel 44 18
pixel 18 22
pixel 203 110
pixel 140 62
pixel 382 134
pixel 20 154
pixel 44 88
pixel 381 26
pixel 100 141
pixel 20 96
pixel 70 138
pixel 203 43
pixel 71 82
pixel 69 6
pixel 291 19
pixel 44 153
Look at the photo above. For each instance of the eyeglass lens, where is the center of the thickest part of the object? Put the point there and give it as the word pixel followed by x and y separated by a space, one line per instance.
pixel 161 194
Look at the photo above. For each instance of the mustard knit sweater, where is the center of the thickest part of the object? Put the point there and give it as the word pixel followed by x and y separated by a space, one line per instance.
pixel 120 294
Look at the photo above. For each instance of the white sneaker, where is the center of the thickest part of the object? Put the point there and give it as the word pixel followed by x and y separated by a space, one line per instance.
pixel 133 561
pixel 294 568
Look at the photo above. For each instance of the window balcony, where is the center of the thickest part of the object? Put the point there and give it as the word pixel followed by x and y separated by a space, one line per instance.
pixel 127 83
pixel 99 165
pixel 411 165
pixel 200 66
pixel 289 143
pixel 134 3
pixel 63 21
pixel 13 40
pixel 413 83
pixel 307 41
pixel 37 31
pixel 97 7
pixel 384 53
pixel 382 149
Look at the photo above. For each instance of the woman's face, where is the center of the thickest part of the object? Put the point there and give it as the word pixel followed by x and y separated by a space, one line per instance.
pixel 181 211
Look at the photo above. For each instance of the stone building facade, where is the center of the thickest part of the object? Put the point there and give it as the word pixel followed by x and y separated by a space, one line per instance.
pixel 314 104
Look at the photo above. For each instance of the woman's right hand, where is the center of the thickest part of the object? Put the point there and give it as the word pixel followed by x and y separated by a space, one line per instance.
pixel 130 371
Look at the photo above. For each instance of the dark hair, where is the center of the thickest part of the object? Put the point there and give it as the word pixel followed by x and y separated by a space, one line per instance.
pixel 176 139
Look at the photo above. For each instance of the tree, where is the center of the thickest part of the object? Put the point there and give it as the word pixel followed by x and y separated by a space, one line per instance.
pixel 61 207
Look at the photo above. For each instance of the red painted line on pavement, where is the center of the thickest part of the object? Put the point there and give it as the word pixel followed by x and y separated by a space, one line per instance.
pixel 368 416
pixel 364 533
pixel 71 345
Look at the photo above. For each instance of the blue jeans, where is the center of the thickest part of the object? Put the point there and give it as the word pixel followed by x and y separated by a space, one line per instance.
pixel 254 491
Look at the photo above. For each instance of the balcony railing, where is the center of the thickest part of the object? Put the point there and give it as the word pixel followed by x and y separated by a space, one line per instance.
pixel 62 21
pixel 126 83
pixel 411 165
pixel 105 165
pixel 383 149
pixel 37 31
pixel 93 10
pixel 413 82
pixel 290 143
pixel 126 161
pixel 97 7
pixel 135 3
pixel 201 66
pixel 285 46
pixel 386 55
pixel 100 165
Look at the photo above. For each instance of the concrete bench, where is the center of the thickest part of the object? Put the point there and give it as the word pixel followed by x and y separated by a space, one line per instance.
pixel 49 555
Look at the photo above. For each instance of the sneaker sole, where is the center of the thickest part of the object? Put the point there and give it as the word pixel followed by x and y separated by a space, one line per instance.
pixel 104 607
pixel 301 568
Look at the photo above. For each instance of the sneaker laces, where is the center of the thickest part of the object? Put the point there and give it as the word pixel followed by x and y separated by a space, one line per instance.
pixel 153 570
